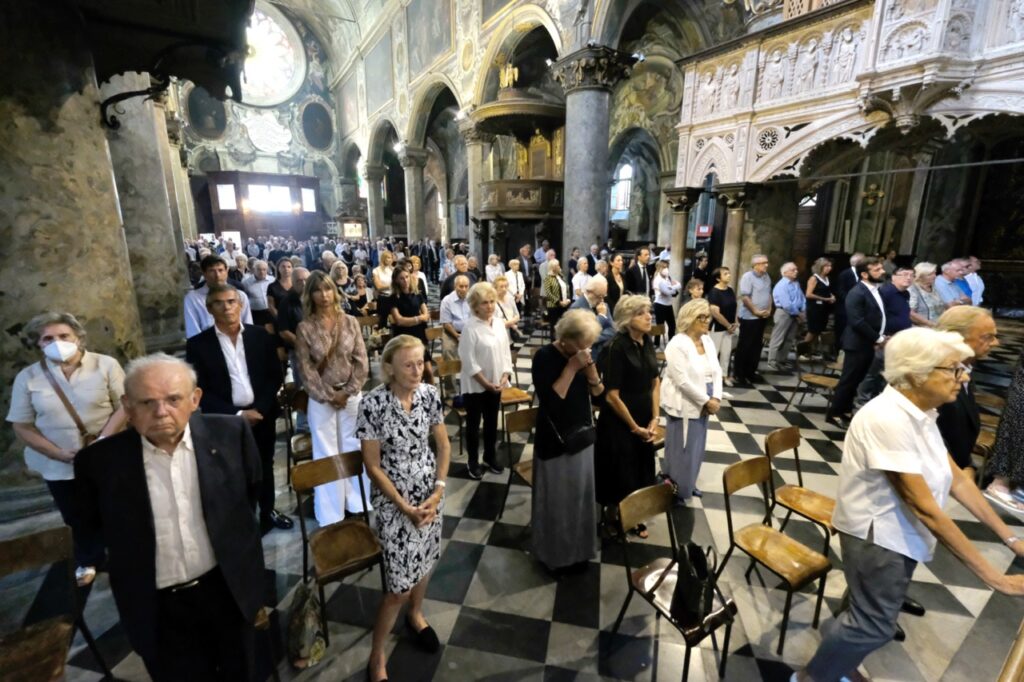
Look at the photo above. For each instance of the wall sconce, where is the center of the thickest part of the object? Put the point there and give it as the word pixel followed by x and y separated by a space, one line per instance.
pixel 872 195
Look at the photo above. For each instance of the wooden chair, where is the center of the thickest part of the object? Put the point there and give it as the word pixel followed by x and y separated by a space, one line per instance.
pixel 39 651
pixel 797 564
pixel 435 314
pixel 809 504
pixel 989 421
pixel 300 445
pixel 518 421
pixel 990 400
pixel 339 549
pixel 656 582
pixel 433 334
pixel 446 369
pixel 513 397
pixel 816 381
pixel 658 331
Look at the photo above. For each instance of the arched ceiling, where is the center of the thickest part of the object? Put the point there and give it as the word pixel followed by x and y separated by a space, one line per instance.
pixel 339 24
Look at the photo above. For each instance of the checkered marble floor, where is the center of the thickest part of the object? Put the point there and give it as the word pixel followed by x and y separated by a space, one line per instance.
pixel 501 617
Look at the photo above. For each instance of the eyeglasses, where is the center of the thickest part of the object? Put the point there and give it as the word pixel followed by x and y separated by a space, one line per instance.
pixel 957 371
pixel 703 318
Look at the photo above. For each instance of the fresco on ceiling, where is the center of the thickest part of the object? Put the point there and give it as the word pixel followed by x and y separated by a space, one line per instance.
pixel 379 75
pixel 430 34
pixel 491 7
pixel 649 99
pixel 316 59
pixel 350 105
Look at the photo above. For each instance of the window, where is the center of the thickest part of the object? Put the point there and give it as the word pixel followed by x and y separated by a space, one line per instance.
pixel 275 62
pixel 440 207
pixel 622 188
pixel 226 198
pixel 308 200
pixel 270 199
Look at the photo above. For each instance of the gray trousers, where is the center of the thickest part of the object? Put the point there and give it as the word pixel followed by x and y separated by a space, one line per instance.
pixel 877 580
pixel 782 335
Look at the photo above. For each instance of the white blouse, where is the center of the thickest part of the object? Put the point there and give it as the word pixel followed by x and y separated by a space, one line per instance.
pixel 483 347
pixel 890 433
pixel 579 282
pixel 492 272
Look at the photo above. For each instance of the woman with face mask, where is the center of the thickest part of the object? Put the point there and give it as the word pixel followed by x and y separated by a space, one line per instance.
pixel 59 405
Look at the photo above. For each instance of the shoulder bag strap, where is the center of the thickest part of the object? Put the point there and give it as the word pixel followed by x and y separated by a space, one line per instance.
pixel 64 400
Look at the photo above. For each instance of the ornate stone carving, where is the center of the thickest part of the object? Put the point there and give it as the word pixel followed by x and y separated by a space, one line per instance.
pixel 266 133
pixel 909 40
pixel 1015 20
pixel 595 67
pixel 767 139
pixel 731 87
pixel 472 134
pixel 958 34
pixel 683 198
pixel 707 95
pixel 806 67
pixel 374 173
pixel 904 105
pixel 773 77
pixel 411 157
pixel 735 196
pixel 845 46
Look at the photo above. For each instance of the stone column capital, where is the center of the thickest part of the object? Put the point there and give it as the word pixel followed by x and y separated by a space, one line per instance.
pixel 374 172
pixel 682 198
pixel 592 68
pixel 412 157
pixel 736 195
pixel 472 134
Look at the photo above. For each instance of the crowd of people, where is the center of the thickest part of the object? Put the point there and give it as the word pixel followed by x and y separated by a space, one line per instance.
pixel 199 448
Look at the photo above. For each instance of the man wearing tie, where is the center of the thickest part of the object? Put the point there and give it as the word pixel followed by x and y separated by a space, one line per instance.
pixel 239 374
pixel 865 330
pixel 638 279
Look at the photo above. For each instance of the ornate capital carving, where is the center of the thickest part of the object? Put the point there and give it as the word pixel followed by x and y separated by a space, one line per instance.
pixel 592 68
pixel 472 134
pixel 736 195
pixel 904 104
pixel 681 199
pixel 374 172
pixel 412 157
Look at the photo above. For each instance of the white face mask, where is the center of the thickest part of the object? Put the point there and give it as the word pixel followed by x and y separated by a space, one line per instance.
pixel 60 351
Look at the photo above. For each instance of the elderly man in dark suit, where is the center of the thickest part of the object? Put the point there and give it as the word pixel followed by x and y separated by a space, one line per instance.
pixel 846 280
pixel 239 374
pixel 865 330
pixel 174 497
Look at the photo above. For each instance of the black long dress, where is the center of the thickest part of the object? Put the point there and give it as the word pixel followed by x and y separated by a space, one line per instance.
pixel 818 311
pixel 623 462
pixel 614 292
pixel 1006 460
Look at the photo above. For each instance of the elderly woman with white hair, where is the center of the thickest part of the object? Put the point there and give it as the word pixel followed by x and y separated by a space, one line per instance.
pixel 494 269
pixel 624 455
pixel 690 394
pixel 896 475
pixel 926 306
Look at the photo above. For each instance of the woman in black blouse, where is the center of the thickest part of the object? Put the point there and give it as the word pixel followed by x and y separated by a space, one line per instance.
pixel 724 324
pixel 408 314
pixel 615 283
pixel 624 453
pixel 565 377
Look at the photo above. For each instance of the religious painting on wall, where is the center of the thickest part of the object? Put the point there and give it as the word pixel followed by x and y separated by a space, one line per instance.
pixel 206 114
pixel 317 125
pixel 379 75
pixel 490 8
pixel 349 105
pixel 430 34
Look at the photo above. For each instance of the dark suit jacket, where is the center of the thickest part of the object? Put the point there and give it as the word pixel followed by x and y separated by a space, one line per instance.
pixel 960 423
pixel 204 353
pixel 528 267
pixel 113 498
pixel 592 262
pixel 845 282
pixel 633 280
pixel 863 320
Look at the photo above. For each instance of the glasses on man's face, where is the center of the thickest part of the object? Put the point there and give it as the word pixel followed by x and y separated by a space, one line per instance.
pixel 957 371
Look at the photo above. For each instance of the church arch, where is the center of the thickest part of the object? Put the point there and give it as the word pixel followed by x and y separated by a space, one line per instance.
pixel 423 103
pixel 503 43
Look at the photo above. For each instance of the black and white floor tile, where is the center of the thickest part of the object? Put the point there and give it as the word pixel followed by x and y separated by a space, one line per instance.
pixel 500 616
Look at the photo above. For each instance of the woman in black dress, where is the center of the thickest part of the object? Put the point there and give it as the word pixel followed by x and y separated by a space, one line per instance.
pixel 408 314
pixel 565 376
pixel 615 283
pixel 820 299
pixel 624 452
pixel 1007 462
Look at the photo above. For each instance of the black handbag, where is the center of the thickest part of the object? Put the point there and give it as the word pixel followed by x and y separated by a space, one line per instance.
pixel 577 439
pixel 694 596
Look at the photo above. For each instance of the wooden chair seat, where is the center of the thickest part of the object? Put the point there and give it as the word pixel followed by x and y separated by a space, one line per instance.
pixel 990 400
pixel 820 380
pixel 514 396
pixel 342 549
pixel 302 447
pixel 647 577
pixel 990 421
pixel 36 652
pixel 525 471
pixel 796 563
pixel 986 439
pixel 805 502
pixel 659 437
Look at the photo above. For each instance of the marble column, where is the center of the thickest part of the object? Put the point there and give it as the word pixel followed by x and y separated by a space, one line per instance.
pixel 736 198
pixel 60 221
pixel 138 149
pixel 374 176
pixel 477 148
pixel 413 160
pixel 681 200
pixel 588 77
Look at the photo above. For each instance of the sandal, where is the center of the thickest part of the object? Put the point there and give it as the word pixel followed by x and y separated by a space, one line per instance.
pixel 84 575
pixel 1005 500
pixel 640 531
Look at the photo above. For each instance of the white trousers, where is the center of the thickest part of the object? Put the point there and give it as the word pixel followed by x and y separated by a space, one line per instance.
pixel 334 432
pixel 723 342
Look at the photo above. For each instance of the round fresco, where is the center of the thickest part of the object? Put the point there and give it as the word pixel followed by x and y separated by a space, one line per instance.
pixel 206 114
pixel 275 60
pixel 317 125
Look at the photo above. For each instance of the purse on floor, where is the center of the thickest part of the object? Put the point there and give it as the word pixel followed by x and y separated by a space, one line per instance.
pixel 694 596
pixel 306 645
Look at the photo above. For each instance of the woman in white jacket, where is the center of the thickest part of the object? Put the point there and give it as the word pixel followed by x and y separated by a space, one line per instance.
pixel 691 391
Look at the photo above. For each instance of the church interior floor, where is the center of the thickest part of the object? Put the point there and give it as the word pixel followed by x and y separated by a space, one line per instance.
pixel 499 616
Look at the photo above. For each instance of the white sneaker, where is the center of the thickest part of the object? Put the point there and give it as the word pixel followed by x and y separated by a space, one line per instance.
pixel 1004 500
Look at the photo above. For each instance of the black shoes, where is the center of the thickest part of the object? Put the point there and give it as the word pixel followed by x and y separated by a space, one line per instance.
pixel 841 423
pixel 899 635
pixel 426 639
pixel 474 471
pixel 275 519
pixel 495 469
pixel 912 606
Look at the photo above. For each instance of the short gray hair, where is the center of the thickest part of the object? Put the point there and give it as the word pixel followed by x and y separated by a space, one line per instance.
pixel 34 328
pixel 961 319
pixel 923 269
pixel 146 362
pixel 912 354
pixel 756 257
pixel 786 266
pixel 578 325
pixel 629 307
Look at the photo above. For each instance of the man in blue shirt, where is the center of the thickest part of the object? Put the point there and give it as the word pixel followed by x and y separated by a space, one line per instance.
pixel 453 316
pixel 947 287
pixel 790 308
pixel 896 301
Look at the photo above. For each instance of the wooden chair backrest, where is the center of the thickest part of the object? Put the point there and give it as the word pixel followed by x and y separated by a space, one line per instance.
pixel 434 333
pixel 300 401
pixel 782 440
pixel 449 368
pixel 435 314
pixel 657 329
pixel 746 473
pixel 368 321
pixel 38 549
pixel 646 503
pixel 308 475
pixel 521 421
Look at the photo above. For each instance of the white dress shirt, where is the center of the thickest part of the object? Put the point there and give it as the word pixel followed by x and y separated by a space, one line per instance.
pixel 183 549
pixel 484 348
pixel 242 394
pixel 890 433
pixel 198 318
pixel 516 283
pixel 493 272
pixel 873 288
pixel 977 287
pixel 579 283
pixel 665 290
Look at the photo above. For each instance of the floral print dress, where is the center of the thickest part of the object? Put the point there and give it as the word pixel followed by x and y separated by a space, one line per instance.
pixel 406 458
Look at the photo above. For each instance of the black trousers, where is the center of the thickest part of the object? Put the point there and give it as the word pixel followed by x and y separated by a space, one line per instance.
pixel 748 348
pixel 665 314
pixel 202 635
pixel 89 550
pixel 856 364
pixel 265 434
pixel 484 404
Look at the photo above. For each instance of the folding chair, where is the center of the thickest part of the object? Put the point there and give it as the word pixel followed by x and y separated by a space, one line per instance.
pixel 809 504
pixel 518 421
pixel 816 381
pixel 656 581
